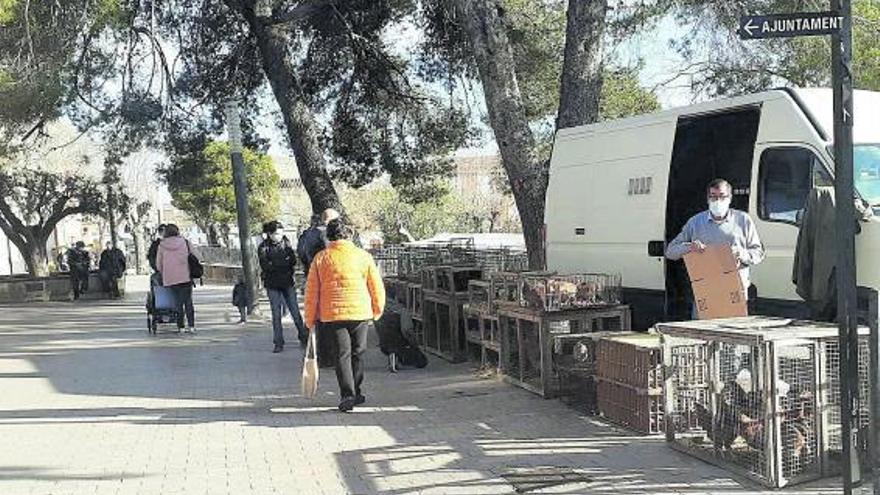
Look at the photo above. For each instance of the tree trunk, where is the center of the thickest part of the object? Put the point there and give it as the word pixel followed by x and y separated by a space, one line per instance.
pixel 138 246
pixel 487 34
pixel 582 69
pixel 36 256
pixel 302 128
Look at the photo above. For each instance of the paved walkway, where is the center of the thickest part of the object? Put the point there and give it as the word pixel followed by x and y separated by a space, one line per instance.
pixel 90 404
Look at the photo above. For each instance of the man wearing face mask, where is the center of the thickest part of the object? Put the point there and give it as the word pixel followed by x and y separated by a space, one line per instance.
pixel 278 262
pixel 720 225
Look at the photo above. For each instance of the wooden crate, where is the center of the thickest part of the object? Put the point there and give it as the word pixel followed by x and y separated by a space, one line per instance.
pixel 444 326
pixel 527 341
pixel 632 359
pixel 637 409
pixel 482 335
pixel 414 300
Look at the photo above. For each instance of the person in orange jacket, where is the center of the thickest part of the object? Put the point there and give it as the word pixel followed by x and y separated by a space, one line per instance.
pixel 344 296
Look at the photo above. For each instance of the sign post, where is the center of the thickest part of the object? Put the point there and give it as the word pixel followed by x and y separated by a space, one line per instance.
pixel 838 23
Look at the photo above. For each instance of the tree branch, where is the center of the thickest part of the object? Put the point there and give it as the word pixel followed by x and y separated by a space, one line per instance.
pixel 298 14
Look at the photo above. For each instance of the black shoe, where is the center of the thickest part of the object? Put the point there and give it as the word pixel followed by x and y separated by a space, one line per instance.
pixel 347 405
pixel 277 349
pixel 359 399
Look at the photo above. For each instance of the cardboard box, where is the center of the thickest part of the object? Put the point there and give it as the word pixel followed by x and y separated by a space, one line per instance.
pixel 718 290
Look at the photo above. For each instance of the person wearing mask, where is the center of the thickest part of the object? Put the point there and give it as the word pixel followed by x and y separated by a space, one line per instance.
pixel 153 251
pixel 172 261
pixel 80 262
pixel 344 296
pixel 111 268
pixel 720 225
pixel 278 263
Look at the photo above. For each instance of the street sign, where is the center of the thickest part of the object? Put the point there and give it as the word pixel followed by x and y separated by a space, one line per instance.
pixel 789 25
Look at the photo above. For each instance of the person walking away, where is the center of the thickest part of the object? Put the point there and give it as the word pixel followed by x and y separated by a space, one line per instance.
pixel 153 251
pixel 344 292
pixel 111 268
pixel 310 242
pixel 79 261
pixel 172 260
pixel 278 263
pixel 720 225
pixel 240 300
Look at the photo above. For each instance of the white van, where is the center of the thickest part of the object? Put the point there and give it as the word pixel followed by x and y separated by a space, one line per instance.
pixel 620 190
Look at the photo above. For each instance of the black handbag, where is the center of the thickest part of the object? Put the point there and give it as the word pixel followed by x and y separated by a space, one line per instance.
pixel 196 270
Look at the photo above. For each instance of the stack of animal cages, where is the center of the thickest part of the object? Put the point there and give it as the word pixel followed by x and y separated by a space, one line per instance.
pixel 388 260
pixel 755 395
pixel 574 361
pixel 527 336
pixel 629 373
pixel 576 291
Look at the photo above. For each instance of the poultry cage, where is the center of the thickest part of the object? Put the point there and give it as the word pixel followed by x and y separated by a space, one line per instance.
pixel 754 395
pixel 574 360
pixel 527 340
pixel 562 292
pixel 482 335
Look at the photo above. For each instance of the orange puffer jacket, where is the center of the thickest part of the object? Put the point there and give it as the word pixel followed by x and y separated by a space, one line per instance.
pixel 343 285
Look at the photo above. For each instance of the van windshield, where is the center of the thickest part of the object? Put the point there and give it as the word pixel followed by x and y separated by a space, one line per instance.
pixel 866 172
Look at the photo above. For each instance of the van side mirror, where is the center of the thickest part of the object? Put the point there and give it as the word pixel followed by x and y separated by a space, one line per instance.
pixel 656 249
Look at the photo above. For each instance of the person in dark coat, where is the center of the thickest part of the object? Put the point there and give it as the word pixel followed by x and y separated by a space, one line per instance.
pixel 111 268
pixel 311 241
pixel 153 251
pixel 240 300
pixel 278 262
pixel 79 261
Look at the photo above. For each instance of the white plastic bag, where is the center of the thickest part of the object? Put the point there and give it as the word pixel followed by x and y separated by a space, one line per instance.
pixel 310 368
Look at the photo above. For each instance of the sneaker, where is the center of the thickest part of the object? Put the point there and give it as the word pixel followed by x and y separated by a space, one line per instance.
pixel 347 404
pixel 359 399
pixel 191 330
pixel 277 349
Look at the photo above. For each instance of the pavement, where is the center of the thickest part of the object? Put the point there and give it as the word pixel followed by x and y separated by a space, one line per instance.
pixel 92 404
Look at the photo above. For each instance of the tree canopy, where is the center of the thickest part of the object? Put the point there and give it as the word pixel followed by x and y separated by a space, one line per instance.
pixel 201 185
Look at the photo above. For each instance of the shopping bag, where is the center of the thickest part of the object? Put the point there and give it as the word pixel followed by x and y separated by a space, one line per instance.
pixel 310 368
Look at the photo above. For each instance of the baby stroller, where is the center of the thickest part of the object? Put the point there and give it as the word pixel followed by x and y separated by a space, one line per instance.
pixel 161 305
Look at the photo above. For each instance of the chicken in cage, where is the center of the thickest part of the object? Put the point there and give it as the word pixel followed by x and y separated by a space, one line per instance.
pixel 560 292
pixel 751 398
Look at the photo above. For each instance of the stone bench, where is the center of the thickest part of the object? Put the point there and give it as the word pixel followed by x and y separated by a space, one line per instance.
pixel 21 289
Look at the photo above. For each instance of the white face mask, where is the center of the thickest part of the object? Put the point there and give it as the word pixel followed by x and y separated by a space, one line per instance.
pixel 719 207
pixel 277 236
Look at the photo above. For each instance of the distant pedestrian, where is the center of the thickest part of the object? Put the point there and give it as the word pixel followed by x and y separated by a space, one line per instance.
pixel 240 300
pixel 310 242
pixel 278 264
pixel 344 296
pixel 79 261
pixel 172 261
pixel 153 251
pixel 111 268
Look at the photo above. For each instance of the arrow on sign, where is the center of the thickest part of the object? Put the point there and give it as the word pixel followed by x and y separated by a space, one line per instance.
pixel 749 27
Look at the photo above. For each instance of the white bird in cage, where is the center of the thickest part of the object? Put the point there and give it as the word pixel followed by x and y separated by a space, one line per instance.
pixel 744 380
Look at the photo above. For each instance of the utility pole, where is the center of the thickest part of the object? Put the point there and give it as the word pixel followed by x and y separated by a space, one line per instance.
pixel 239 180
pixel 841 73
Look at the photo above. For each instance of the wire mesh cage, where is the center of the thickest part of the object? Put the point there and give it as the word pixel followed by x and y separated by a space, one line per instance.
pixel 561 292
pixel 574 361
pixel 478 295
pixel 388 260
pixel 754 395
pixel 830 398
pixel 504 288
pixel 455 279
